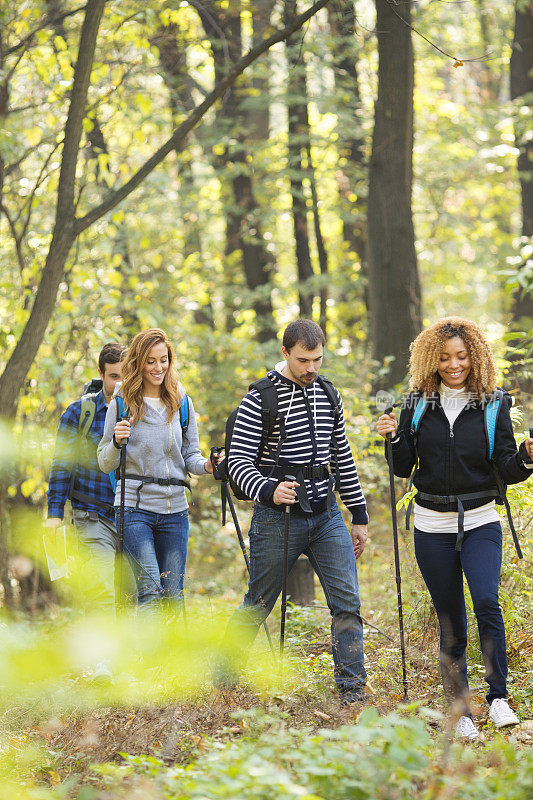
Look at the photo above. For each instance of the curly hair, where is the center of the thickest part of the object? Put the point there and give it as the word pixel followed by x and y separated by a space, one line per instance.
pixel 132 389
pixel 427 347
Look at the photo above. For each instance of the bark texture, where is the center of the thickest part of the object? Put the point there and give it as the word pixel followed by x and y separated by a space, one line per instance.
pixel 394 287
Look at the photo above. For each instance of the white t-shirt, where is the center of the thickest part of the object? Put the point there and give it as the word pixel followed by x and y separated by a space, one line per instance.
pixel 156 403
pixel 425 519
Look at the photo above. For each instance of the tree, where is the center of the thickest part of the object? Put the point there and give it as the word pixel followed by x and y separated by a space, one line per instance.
pixel 67 225
pixel 300 168
pixel 244 235
pixel 394 288
pixel 522 92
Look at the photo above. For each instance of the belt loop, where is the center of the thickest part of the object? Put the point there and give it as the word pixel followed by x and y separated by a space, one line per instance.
pixel 139 487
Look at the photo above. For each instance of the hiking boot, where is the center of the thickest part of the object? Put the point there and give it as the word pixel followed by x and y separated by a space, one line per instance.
pixel 502 714
pixel 465 729
pixel 102 673
pixel 353 695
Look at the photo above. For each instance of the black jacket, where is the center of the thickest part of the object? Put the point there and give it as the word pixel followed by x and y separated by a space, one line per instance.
pixel 455 461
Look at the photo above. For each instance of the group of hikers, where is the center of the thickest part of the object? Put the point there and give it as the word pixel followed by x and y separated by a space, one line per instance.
pixel 288 452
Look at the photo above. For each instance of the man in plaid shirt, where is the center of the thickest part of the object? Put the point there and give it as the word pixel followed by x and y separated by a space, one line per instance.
pixel 75 474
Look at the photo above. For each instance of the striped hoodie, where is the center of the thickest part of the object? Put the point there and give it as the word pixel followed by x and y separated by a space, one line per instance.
pixel 309 425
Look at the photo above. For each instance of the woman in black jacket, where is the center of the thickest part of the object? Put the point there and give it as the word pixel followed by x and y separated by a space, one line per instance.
pixel 457 528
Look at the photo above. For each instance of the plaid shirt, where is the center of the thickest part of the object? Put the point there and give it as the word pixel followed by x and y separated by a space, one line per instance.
pixel 78 455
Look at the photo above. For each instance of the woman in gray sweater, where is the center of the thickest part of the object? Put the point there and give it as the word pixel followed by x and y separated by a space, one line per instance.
pixel 162 450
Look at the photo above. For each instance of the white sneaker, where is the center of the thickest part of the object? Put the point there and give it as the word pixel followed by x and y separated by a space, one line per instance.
pixel 502 714
pixel 465 729
pixel 102 673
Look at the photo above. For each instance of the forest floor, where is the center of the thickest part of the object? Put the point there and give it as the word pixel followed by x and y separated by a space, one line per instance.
pixel 78 741
pixel 173 724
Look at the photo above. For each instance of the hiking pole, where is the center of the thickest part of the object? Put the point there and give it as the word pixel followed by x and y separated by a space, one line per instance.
pixel 245 554
pixel 220 474
pixel 285 575
pixel 388 451
pixel 122 469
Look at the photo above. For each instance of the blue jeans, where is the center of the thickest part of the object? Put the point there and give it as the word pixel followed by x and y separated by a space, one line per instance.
pixel 442 568
pixel 156 547
pixel 328 545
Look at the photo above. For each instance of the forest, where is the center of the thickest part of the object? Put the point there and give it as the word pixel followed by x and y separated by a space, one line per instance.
pixel 217 169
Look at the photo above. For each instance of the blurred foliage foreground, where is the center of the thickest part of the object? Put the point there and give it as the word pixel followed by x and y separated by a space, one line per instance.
pixel 161 730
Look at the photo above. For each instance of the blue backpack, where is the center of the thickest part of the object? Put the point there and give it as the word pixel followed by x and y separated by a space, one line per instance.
pixel 491 412
pixel 122 413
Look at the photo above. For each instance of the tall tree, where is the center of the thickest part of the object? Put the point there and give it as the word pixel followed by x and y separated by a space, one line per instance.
pixel 352 173
pixel 171 43
pixel 522 90
pixel 67 225
pixel 300 169
pixel 522 94
pixel 394 287
pixel 244 234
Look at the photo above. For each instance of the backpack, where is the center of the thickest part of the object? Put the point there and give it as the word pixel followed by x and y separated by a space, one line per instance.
pixel 87 411
pixel 122 413
pixel 269 416
pixel 491 411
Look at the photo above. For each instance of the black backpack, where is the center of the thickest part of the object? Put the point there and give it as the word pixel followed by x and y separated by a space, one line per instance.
pixel 270 415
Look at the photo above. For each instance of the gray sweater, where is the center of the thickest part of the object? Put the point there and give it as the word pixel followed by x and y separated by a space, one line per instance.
pixel 156 449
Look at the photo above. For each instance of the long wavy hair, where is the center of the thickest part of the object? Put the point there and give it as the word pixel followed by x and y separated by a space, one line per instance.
pixel 132 379
pixel 427 347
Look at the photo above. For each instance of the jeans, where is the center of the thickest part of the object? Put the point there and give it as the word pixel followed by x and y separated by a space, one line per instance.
pixel 442 568
pixel 328 545
pixel 156 547
pixel 99 546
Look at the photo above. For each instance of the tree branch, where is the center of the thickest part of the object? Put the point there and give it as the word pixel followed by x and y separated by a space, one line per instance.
pixel 16 238
pixel 180 133
pixel 48 22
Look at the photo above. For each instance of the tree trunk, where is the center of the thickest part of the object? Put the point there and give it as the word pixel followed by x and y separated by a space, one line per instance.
pixel 298 145
pixel 394 288
pixel 522 87
pixel 489 75
pixel 352 172
pixel 67 227
pixel 522 93
pixel 320 246
pixel 171 44
pixel 258 119
pixel 63 235
pixel 244 214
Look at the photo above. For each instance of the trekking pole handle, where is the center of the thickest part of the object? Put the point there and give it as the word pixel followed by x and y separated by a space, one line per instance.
pixel 389 410
pixel 219 470
pixel 124 416
pixel 288 505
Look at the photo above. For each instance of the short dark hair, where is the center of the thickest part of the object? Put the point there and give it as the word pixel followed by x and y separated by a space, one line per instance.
pixel 308 333
pixel 111 353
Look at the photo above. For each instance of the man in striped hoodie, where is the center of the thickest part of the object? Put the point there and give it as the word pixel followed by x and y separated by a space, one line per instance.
pixel 317 528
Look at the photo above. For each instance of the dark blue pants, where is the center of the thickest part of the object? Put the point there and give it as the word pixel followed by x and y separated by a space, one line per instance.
pixel 328 545
pixel 442 568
